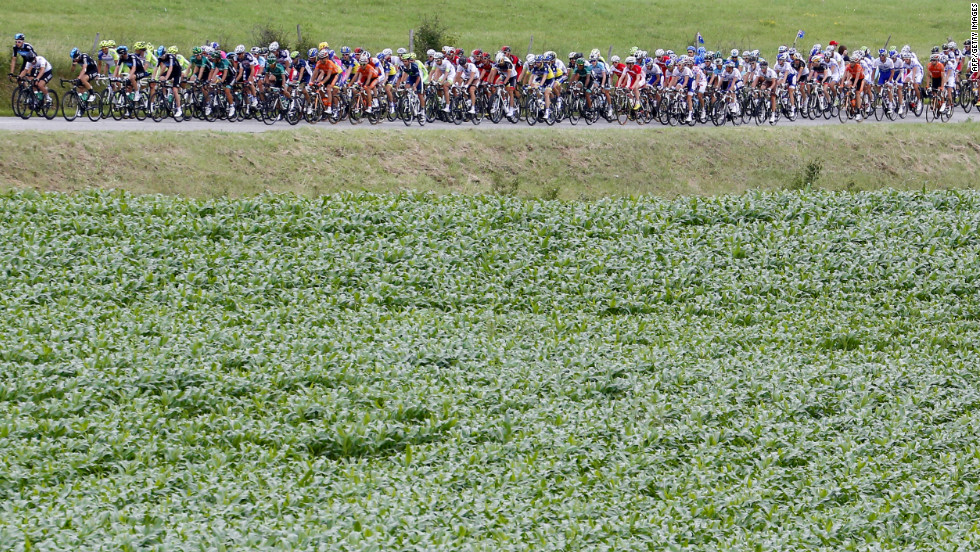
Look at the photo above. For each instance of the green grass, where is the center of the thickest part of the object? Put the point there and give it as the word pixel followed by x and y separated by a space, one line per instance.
pixel 792 371
pixel 565 163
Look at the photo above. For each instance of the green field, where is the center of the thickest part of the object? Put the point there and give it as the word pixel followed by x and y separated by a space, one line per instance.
pixel 562 163
pixel 790 371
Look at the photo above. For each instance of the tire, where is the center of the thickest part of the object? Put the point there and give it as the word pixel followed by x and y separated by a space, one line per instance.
pixel 71 106
pixel 158 107
pixel 50 110
pixel 15 103
pixel 496 109
pixel 94 109
pixel 117 105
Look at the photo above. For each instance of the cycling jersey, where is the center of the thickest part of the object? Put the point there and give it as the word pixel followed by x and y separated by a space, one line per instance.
pixel 767 74
pixel 951 70
pixel 368 73
pixel 26 51
pixel 108 57
pixel 327 66
pixel 447 68
pixel 39 67
pixel 884 68
pixel 467 69
pixel 276 70
pixel 855 71
pixel 422 70
pixel 730 78
pixel 599 70
pixel 542 72
pixel 88 63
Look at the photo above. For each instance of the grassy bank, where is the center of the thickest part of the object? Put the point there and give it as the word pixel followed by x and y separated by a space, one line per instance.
pixel 554 163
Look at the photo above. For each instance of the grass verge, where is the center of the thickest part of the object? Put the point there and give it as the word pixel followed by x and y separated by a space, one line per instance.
pixel 574 163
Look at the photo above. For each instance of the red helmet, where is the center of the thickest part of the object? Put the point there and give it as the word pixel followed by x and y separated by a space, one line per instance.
pixel 505 49
pixel 477 53
pixel 358 50
pixel 459 51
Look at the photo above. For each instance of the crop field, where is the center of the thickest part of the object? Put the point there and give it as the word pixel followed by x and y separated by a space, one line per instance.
pixel 770 371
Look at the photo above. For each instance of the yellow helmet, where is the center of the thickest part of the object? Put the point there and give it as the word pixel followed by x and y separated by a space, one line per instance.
pixel 323 45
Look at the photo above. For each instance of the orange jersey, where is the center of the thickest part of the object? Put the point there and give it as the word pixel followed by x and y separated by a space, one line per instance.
pixel 368 72
pixel 327 66
pixel 936 70
pixel 855 70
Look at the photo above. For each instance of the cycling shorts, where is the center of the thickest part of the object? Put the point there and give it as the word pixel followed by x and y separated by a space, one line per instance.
pixel 790 81
pixel 46 77
pixel 937 83
pixel 883 77
pixel 414 82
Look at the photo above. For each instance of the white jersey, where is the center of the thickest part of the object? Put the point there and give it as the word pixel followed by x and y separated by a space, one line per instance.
pixel 699 76
pixel 734 76
pixel 883 67
pixel 833 67
pixel 447 68
pixel 767 73
pixel 43 66
pixel 784 69
pixel 467 69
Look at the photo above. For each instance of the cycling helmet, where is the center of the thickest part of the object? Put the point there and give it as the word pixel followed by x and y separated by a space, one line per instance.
pixel 138 45
pixel 935 49
pixel 477 53
pixel 103 44
pixel 692 49
pixel 781 50
pixel 207 50
pixel 580 62
pixel 734 52
pixel 294 54
pixel 892 53
pixel 411 55
pixel 74 53
pixel 215 54
pixel 730 64
pixel 173 50
pixel 951 45
pixel 111 43
pixel 440 55
pixel 791 51
pixel 403 51
pixel 430 52
pixel 196 51
pixel 882 52
pixel 763 62
pixel 571 55
pixel 782 57
pixel 447 49
pixel 718 62
pixel 345 50
pixel 240 49
pixel 386 52
pixel 406 56
pixel 943 59
pixel 19 36
pixel 659 52
pixel 321 46
pixel 539 59
pixel 906 55
pixel 312 52
pixel 331 53
pixel 505 49
pixel 161 50
pixel 255 50
pixel 283 54
pixel 273 46
pixel 358 50
pixel 148 46
pixel 614 59
pixel 122 50
pixel 529 58
pixel 550 54
pixel 322 54
pixel 630 59
pixel 215 46
pixel 499 57
pixel 594 57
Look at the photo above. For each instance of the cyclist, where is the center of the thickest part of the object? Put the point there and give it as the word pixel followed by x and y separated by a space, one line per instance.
pixel 682 78
pixel 367 77
pixel 505 73
pixel 582 72
pixel 937 76
pixel 787 75
pixel 135 68
pixel 225 72
pixel 40 70
pixel 89 71
pixel 883 65
pixel 854 78
pixel 411 76
pixel 541 76
pixel 169 69
pixel 731 81
pixel 950 70
pixel 600 75
pixel 327 74
pixel 767 82
pixel 468 76
pixel 632 80
pixel 246 67
pixel 22 49
pixel 913 73
pixel 107 58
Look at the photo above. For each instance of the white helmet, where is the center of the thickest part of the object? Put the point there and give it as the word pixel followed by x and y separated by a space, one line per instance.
pixel 499 57
pixel 255 50
pixel 438 55
pixel 430 52
pixel 208 50
pixel 614 59
pixel 595 53
pixel 447 49
pixel 273 46
pixel 364 57
pixel 529 58
pixel 659 52
pixel 734 52
pixel 630 59
pixel 781 49
pixel 386 52
pixel 401 51
pixel 240 49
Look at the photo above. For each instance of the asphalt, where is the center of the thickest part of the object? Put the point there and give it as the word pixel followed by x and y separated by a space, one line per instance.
pixel 249 126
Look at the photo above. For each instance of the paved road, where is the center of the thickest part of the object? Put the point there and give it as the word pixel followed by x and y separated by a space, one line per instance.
pixel 59 124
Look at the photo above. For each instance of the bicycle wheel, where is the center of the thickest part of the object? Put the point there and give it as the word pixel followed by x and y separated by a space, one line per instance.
pixel 141 108
pixel 158 107
pixel 932 111
pixel 15 103
pixel 71 106
pixel 847 112
pixel 92 108
pixel 49 106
